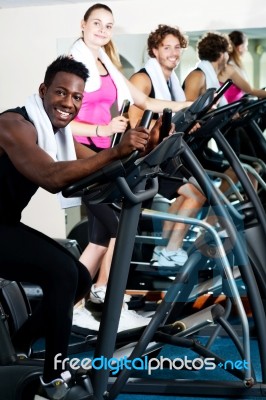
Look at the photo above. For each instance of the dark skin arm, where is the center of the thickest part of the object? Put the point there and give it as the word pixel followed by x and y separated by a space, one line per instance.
pixel 18 139
pixel 155 134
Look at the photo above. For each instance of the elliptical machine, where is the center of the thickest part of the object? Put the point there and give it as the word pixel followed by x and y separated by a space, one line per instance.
pixel 127 181
pixel 130 187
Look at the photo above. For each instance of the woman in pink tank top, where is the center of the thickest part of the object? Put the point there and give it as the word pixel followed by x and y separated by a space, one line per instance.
pixel 105 89
pixel 235 70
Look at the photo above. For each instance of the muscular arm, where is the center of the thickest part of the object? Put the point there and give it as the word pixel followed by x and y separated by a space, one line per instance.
pixel 18 139
pixel 195 85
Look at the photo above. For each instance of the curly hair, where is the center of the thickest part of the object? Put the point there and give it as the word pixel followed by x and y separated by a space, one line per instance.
pixel 156 37
pixel 211 45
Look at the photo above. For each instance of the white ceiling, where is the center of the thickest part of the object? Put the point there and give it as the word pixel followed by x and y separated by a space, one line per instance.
pixel 256 33
pixel 34 3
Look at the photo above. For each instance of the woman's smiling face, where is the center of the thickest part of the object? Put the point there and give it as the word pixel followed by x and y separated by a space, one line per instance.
pixel 97 29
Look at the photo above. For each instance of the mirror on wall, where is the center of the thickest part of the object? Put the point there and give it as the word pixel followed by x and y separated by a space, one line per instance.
pixel 132 50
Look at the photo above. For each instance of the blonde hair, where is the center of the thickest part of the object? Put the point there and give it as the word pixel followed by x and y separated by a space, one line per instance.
pixel 113 54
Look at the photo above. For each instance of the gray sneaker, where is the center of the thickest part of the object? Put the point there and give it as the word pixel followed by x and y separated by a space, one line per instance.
pixel 156 255
pixel 172 258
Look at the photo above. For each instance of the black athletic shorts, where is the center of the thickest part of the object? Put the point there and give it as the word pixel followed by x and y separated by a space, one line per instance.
pixel 174 175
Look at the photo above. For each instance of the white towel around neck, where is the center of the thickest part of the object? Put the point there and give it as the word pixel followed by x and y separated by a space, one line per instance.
pixel 82 53
pixel 159 83
pixel 59 146
pixel 211 78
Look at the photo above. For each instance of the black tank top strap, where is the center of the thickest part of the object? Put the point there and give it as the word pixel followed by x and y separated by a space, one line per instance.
pixel 19 110
pixel 152 92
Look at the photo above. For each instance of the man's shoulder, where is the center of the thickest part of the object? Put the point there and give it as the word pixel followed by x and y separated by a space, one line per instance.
pixel 143 82
pixel 142 73
pixel 196 72
pixel 17 110
pixel 15 117
pixel 196 75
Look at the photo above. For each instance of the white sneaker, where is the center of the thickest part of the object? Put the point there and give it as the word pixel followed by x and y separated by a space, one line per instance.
pixel 156 254
pixel 97 294
pixel 172 258
pixel 85 319
pixel 130 319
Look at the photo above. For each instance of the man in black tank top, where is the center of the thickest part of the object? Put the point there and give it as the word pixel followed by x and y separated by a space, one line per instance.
pixel 26 254
pixel 212 49
pixel 158 79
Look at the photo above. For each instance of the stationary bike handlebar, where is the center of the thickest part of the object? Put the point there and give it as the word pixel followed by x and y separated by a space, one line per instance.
pixel 253 106
pixel 214 119
pixel 108 181
pixel 184 120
